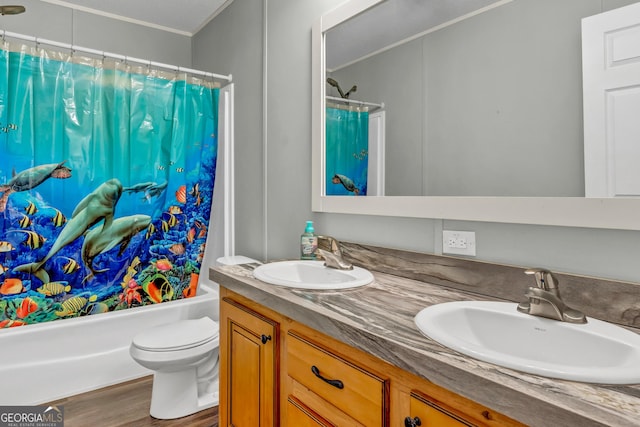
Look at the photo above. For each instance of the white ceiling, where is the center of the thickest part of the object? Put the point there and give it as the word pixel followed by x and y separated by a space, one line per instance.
pixel 185 17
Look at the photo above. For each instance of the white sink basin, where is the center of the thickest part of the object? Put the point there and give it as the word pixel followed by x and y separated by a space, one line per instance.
pixel 596 352
pixel 311 275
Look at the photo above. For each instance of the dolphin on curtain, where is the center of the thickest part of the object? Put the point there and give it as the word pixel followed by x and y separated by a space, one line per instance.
pixel 95 207
pixel 150 189
pixel 100 240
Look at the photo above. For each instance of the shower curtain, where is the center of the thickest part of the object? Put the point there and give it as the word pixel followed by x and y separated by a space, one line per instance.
pixel 347 150
pixel 106 180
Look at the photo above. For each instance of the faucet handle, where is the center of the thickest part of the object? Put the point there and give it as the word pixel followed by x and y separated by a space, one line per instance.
pixel 544 278
pixel 328 244
pixel 329 249
pixel 537 274
pixel 545 300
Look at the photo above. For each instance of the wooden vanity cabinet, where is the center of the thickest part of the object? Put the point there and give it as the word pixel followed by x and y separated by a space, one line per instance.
pixel 303 378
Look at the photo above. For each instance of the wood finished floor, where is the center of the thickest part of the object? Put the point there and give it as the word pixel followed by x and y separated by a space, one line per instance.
pixel 125 404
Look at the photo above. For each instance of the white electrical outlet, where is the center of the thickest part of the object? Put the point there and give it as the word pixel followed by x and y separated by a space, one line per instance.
pixel 459 242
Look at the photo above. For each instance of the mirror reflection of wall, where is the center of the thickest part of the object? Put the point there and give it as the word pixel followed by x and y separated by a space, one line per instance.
pixel 488 106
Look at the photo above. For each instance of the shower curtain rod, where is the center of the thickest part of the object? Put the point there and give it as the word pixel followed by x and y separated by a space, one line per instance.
pixel 74 48
pixel 335 98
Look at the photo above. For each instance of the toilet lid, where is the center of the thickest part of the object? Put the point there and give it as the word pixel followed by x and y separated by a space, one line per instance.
pixel 178 335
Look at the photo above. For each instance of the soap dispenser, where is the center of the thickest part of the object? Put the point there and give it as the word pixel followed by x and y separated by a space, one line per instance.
pixel 308 243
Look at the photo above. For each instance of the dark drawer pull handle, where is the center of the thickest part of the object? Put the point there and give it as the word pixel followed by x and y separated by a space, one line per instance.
pixel 265 338
pixel 408 422
pixel 335 383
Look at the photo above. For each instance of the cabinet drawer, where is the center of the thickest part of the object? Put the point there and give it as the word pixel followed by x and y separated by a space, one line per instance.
pixel 352 389
pixel 299 416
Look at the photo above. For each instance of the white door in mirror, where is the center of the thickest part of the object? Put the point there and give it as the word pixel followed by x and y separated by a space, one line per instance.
pixel 611 77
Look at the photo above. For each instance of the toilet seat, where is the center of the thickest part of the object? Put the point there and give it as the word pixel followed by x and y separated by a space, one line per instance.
pixel 181 335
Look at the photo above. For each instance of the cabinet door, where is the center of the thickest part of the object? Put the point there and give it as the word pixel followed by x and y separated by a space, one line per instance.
pixel 425 413
pixel 248 371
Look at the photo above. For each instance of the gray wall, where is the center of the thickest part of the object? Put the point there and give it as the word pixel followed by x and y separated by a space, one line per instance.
pixel 515 90
pixel 272 231
pixel 233 44
pixel 65 25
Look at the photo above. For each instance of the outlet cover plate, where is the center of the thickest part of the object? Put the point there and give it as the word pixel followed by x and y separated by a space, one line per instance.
pixel 459 242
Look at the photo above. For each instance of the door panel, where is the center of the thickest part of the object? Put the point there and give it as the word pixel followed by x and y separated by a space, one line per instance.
pixel 611 92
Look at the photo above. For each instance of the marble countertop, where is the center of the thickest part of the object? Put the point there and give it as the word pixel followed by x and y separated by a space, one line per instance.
pixel 378 319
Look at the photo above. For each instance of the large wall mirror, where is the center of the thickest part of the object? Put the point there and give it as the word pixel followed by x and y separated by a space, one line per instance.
pixel 482 104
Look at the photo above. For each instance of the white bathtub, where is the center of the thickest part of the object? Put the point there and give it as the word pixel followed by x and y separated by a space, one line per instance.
pixel 49 361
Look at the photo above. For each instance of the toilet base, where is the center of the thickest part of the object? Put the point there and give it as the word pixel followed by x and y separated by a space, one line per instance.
pixel 175 395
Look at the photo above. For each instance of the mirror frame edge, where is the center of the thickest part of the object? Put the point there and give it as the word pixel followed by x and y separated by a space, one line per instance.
pixel 317 116
pixel 610 213
pixel 318 92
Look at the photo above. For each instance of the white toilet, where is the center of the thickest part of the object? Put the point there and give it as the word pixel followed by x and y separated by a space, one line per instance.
pixel 184 358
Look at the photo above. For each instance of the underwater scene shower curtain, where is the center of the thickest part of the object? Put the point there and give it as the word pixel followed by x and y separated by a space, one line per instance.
pixel 346 150
pixel 106 181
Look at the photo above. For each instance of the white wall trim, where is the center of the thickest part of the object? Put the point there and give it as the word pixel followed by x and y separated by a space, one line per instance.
pixel 227 130
pixel 265 132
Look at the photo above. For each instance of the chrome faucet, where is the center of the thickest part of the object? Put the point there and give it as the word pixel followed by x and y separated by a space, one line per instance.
pixel 544 300
pixel 329 249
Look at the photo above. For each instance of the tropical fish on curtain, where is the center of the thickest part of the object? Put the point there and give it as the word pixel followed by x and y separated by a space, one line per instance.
pixel 106 182
pixel 346 150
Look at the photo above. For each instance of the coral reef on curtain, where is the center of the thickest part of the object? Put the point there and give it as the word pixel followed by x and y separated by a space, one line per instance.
pixel 81 236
